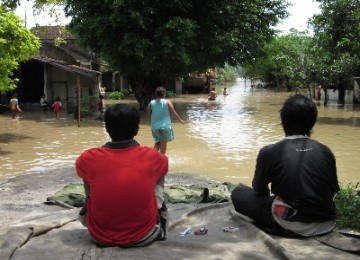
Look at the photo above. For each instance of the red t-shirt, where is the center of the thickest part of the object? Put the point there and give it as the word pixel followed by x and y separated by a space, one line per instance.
pixel 122 207
pixel 56 106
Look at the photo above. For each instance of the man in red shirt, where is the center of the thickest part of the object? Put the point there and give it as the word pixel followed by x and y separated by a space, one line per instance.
pixel 123 184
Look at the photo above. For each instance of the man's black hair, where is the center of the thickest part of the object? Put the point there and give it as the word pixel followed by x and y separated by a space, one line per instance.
pixel 121 122
pixel 298 115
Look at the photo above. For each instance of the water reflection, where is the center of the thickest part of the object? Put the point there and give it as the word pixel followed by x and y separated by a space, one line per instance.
pixel 220 139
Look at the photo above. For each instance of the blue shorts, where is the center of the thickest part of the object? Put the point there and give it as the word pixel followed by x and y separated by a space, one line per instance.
pixel 163 134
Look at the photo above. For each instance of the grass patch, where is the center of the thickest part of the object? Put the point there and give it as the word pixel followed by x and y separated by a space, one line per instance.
pixel 347 203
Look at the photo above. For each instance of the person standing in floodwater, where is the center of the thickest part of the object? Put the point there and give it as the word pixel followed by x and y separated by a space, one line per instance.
pixel 318 93
pixel 14 106
pixel 212 94
pixel 56 106
pixel 43 103
pixel 100 104
pixel 161 128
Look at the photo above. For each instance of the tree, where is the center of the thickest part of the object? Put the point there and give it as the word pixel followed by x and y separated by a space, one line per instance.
pixel 151 42
pixel 284 59
pixel 16 45
pixel 337 43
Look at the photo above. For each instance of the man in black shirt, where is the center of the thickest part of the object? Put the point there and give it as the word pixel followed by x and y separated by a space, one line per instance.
pixel 302 175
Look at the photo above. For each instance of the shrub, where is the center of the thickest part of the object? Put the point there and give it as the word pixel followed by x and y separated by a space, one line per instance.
pixel 117 95
pixel 87 106
pixel 170 94
pixel 347 203
pixel 226 74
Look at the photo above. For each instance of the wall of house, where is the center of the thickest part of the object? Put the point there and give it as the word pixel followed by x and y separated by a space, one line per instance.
pixel 333 95
pixel 113 81
pixel 63 84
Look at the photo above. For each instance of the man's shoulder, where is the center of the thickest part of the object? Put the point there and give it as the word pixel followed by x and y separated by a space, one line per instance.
pixel 89 156
pixel 150 151
pixel 272 146
pixel 92 151
pixel 321 146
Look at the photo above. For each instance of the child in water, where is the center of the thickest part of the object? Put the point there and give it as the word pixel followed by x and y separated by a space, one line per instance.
pixel 56 106
pixel 212 94
pixel 225 92
pixel 100 106
pixel 14 106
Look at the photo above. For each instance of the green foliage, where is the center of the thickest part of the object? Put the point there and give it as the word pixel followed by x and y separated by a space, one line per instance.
pixel 16 45
pixel 285 58
pixel 9 4
pixel 87 106
pixel 226 74
pixel 336 42
pixel 330 57
pixel 151 42
pixel 117 95
pixel 347 203
pixel 170 94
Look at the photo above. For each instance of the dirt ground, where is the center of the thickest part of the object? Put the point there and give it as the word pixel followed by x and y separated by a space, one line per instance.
pixel 22 194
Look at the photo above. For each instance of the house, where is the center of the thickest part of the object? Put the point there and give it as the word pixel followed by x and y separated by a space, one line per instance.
pixel 54 78
pixel 60 69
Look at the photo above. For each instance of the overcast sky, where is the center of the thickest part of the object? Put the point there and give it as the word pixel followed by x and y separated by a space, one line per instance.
pixel 300 12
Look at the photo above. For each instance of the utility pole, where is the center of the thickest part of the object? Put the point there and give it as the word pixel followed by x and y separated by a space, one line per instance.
pixel 25 13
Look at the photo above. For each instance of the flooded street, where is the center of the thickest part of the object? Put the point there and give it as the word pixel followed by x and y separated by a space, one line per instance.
pixel 220 139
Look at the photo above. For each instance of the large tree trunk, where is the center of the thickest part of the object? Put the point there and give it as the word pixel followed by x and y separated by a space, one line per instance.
pixel 144 90
pixel 326 100
pixel 341 97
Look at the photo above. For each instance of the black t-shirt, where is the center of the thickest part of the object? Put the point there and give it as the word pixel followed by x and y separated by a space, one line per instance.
pixel 303 172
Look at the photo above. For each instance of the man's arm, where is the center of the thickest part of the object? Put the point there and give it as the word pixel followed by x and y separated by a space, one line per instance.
pixel 161 181
pixel 260 181
pixel 87 189
pixel 149 109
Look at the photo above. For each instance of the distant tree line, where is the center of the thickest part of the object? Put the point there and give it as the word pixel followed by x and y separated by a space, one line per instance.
pixel 328 57
pixel 152 42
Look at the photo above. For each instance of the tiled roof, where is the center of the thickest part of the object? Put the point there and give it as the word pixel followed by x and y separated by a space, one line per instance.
pixel 52 32
pixel 71 68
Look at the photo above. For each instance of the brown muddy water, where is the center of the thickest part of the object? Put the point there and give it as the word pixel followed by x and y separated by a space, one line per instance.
pixel 219 140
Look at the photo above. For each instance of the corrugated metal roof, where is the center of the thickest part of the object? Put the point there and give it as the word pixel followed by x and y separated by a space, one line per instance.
pixel 71 68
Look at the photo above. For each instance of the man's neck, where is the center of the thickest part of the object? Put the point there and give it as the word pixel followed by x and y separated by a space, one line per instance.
pixel 121 144
pixel 295 136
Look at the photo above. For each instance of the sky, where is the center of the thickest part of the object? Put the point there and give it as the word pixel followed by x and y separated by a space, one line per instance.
pixel 25 10
pixel 300 12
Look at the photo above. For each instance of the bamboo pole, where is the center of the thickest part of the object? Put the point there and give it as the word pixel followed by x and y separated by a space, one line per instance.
pixel 78 100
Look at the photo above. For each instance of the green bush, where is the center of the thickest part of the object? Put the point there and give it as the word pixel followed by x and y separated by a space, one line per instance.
pixel 226 74
pixel 117 95
pixel 87 106
pixel 170 94
pixel 347 203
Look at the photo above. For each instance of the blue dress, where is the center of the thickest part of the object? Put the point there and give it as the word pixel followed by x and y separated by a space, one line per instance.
pixel 161 121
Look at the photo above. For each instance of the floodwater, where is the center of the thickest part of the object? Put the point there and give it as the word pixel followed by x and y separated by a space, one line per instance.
pixel 220 139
